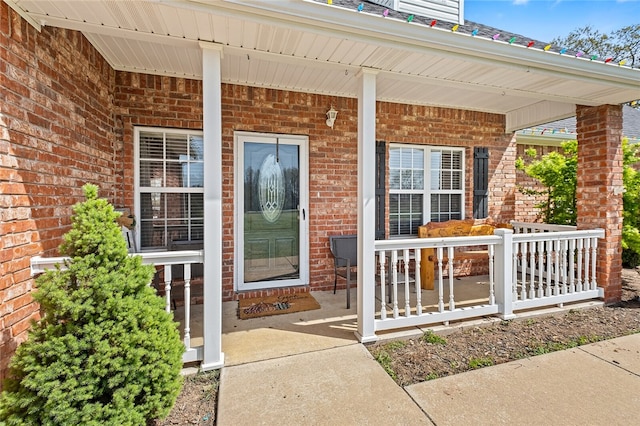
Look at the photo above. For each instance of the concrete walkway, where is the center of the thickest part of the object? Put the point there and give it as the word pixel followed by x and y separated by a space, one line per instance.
pixel 596 384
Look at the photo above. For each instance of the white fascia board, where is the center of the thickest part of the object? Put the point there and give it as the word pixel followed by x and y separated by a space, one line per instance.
pixel 25 15
pixel 365 27
pixel 123 33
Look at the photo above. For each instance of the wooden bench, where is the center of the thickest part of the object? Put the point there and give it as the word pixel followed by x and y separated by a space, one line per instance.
pixel 452 228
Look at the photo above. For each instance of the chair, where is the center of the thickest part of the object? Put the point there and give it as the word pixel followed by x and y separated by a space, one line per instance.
pixel 344 249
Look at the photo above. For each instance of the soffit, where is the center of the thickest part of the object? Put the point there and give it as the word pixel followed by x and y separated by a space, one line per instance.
pixel 273 45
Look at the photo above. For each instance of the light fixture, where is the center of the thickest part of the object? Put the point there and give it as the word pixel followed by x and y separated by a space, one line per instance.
pixel 331 116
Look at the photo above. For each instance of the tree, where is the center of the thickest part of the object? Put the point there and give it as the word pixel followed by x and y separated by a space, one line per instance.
pixel 105 350
pixel 556 173
pixel 622 44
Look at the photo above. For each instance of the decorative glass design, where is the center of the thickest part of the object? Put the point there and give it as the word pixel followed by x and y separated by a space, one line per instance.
pixel 271 189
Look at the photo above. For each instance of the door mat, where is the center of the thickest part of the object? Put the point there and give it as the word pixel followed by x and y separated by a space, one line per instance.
pixel 275 305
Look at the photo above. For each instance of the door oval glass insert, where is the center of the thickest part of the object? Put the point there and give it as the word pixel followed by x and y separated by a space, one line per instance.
pixel 271 189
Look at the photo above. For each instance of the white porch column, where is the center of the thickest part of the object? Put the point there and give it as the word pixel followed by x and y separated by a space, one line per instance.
pixel 504 273
pixel 366 204
pixel 212 130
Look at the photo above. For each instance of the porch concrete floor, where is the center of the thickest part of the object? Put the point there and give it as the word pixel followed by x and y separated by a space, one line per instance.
pixel 331 326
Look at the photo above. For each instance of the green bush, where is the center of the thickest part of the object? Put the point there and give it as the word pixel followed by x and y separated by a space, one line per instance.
pixel 105 350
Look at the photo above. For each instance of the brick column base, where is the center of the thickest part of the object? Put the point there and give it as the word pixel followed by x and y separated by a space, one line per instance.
pixel 600 187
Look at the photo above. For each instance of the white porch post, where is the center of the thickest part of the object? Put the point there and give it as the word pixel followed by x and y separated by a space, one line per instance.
pixel 366 204
pixel 504 273
pixel 212 130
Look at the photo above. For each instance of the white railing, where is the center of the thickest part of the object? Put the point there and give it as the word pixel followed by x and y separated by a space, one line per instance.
pixel 543 267
pixel 401 307
pixel 163 261
pixel 554 268
pixel 527 228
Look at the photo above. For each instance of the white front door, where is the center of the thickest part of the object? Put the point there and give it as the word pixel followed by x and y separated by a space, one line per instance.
pixel 271 211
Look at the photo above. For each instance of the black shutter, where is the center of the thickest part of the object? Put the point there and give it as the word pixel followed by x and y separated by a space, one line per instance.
pixel 480 183
pixel 381 167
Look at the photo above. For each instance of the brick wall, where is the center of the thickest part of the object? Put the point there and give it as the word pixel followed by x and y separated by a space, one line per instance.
pixel 56 133
pixel 600 187
pixel 332 153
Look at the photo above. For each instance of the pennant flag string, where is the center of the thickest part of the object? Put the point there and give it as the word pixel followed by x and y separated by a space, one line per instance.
pixel 496 37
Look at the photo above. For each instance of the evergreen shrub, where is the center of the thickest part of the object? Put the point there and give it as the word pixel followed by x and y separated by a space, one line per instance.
pixel 105 351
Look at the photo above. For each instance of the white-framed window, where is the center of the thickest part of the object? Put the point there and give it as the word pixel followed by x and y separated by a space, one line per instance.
pixel 426 183
pixel 169 177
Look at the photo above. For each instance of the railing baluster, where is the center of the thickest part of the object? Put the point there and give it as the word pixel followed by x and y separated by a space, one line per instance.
pixel 556 266
pixel 407 290
pixel 167 287
pixel 394 272
pixel 594 257
pixel 383 285
pixel 514 271
pixel 580 263
pixel 549 250
pixel 572 265
pixel 440 283
pixel 418 283
pixel 187 305
pixel 563 262
pixel 540 257
pixel 587 262
pixel 523 273
pixel 492 295
pixel 452 303
pixel 532 270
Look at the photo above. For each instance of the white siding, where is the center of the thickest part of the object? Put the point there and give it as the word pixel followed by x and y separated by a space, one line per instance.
pixel 446 10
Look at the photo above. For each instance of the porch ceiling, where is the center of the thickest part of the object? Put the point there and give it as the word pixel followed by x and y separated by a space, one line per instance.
pixel 313 47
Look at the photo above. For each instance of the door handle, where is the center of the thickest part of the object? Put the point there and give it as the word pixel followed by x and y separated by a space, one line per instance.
pixel 303 215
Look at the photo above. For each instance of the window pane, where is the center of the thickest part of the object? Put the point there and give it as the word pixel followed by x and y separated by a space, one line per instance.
pixel 151 173
pixel 394 179
pixel 172 161
pixel 394 203
pixel 435 179
pixel 407 177
pixel 456 180
pixel 177 205
pixel 196 148
pixel 394 158
pixel 405 214
pixel 151 145
pixel 406 158
pixel 176 146
pixel 418 179
pixel 174 175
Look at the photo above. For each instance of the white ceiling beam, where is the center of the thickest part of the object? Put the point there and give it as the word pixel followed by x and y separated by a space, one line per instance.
pixel 538 113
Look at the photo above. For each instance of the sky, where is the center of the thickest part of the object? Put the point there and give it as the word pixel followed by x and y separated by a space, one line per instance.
pixel 545 20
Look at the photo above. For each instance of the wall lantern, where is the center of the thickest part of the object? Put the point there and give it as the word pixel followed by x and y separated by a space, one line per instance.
pixel 331 116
